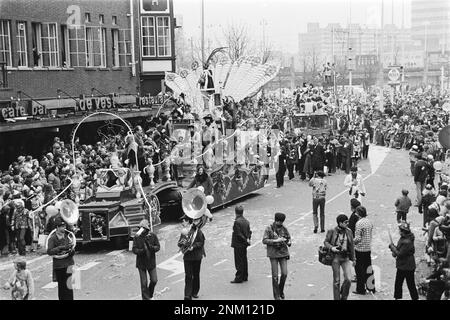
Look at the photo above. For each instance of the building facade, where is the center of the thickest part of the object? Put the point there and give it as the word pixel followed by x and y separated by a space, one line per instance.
pixel 157 45
pixel 430 24
pixel 63 59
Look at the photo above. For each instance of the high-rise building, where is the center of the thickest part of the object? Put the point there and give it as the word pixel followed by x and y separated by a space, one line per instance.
pixel 430 22
pixel 318 45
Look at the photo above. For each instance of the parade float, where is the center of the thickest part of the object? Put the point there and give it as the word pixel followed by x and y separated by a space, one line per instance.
pixel 120 201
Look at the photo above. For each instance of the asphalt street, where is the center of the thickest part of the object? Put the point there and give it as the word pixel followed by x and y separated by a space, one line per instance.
pixel 105 273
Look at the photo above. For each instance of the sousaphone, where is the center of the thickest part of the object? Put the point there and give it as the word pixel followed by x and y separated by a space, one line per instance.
pixel 194 203
pixel 69 212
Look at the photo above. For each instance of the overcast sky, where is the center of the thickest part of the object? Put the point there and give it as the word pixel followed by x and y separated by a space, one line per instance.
pixel 285 18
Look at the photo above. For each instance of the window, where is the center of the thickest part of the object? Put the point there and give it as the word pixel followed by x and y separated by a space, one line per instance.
pixel 45 45
pixel 115 47
pixel 163 29
pixel 95 47
pixel 22 44
pixel 101 19
pixel 87 17
pixel 148 37
pixel 125 47
pixel 76 39
pixel 5 42
pixel 114 20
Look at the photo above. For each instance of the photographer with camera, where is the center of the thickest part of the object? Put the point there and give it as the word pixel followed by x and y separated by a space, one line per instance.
pixel 278 239
pixel 340 241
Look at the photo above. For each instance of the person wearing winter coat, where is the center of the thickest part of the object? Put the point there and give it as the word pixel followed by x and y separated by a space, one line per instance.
pixel 403 253
pixel 145 245
pixel 278 240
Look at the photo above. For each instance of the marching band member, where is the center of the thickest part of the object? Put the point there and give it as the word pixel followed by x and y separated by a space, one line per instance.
pixel 61 247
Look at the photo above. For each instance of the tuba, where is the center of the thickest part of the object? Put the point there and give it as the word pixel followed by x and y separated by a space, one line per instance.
pixel 69 212
pixel 194 206
pixel 194 203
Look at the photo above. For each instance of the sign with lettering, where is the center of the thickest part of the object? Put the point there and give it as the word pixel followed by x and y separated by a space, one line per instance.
pixel 19 109
pixel 95 103
pixel 149 101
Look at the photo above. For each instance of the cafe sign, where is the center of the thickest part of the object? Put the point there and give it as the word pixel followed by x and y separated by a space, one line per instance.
pixel 95 103
pixel 17 109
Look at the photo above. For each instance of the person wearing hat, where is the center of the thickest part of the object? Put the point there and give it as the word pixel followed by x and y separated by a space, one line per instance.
pixel 278 240
pixel 340 241
pixel 403 252
pixel 21 281
pixel 145 245
pixel 61 247
pixel 192 257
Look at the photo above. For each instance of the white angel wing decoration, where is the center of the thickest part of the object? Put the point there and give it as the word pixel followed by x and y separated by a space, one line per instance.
pixel 237 80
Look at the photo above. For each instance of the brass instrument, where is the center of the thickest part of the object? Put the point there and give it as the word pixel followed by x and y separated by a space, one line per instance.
pixel 194 206
pixel 70 214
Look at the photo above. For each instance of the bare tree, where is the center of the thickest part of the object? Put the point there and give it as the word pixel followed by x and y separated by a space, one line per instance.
pixel 237 40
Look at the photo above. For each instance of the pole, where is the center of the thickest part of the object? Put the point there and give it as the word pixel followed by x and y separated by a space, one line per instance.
pixel 442 80
pixel 425 74
pixel 203 31
pixel 334 62
pixel 133 58
pixel 381 75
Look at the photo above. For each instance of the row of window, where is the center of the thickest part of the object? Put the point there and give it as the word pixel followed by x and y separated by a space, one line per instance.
pixel 82 45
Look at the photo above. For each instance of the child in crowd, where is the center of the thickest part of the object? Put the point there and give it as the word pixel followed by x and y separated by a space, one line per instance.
pixel 402 205
pixel 21 281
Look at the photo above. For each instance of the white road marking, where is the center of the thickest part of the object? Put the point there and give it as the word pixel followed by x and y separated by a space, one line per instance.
pixel 375 167
pixel 377 157
pixel 50 285
pixel 179 280
pixel 115 252
pixel 172 265
pixel 177 267
pixel 9 265
pixel 220 262
pixel 87 266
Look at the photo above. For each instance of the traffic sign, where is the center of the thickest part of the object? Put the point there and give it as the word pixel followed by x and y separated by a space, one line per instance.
pixel 394 74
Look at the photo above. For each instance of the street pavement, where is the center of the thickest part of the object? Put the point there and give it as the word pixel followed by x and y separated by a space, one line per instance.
pixel 104 273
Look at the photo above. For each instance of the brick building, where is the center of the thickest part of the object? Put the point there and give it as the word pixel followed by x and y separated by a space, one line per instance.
pixel 62 59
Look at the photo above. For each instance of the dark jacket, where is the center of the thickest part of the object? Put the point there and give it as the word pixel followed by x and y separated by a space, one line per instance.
pixel 402 204
pixel 421 169
pixel 332 238
pixel 404 253
pixel 57 246
pixel 241 232
pixel 352 222
pixel 277 249
pixel 145 246
pixel 199 248
pixel 204 181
